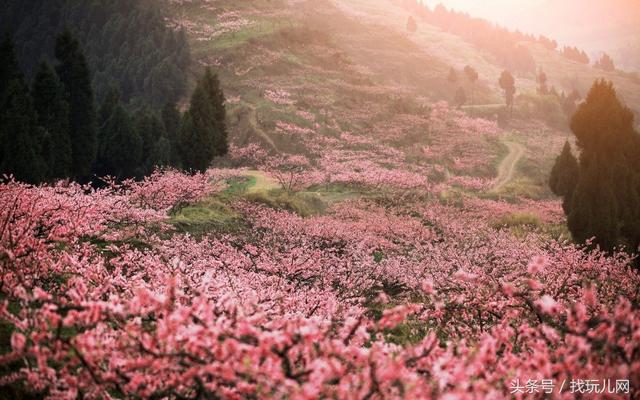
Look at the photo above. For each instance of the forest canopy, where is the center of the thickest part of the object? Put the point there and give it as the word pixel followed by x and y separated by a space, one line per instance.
pixel 126 42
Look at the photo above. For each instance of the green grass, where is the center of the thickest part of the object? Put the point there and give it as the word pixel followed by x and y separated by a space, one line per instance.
pixel 239 186
pixel 519 223
pixel 212 214
pixel 524 187
pixel 518 219
pixel 559 232
pixel 230 40
pixel 216 213
pixel 304 204
pixel 337 192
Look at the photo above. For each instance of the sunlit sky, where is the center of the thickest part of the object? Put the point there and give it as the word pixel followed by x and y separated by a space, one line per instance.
pixel 591 24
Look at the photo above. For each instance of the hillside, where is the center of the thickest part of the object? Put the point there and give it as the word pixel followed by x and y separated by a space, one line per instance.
pixel 309 71
pixel 570 22
pixel 588 29
pixel 369 234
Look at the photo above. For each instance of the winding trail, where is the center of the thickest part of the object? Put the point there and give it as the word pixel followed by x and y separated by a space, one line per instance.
pixel 507 167
pixel 264 181
pixel 253 122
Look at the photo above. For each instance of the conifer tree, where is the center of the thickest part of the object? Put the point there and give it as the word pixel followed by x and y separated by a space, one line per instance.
pixel 151 130
pixel 105 112
pixel 9 68
pixel 605 63
pixel 542 79
pixel 197 132
pixel 9 71
pixel 109 104
pixel 53 121
pixel 18 131
pixel 203 133
pixel 171 120
pixel 121 151
pixel 602 124
pixel 508 84
pixel 605 204
pixel 564 176
pixel 593 210
pixel 74 73
pixel 160 153
pixel 216 98
pixel 19 149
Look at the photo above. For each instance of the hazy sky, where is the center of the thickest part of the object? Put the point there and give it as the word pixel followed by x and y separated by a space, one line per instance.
pixel 591 24
pixel 494 9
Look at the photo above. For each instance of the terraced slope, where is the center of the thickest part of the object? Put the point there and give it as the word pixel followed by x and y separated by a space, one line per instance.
pixel 304 77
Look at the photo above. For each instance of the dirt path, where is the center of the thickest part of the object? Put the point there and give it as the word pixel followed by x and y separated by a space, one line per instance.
pixel 264 182
pixel 507 167
pixel 253 121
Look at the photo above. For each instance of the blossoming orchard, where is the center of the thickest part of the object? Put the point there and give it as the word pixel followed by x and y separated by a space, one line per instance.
pixel 101 296
pixel 372 220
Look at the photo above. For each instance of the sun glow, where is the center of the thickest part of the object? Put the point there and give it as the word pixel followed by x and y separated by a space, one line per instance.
pixel 573 22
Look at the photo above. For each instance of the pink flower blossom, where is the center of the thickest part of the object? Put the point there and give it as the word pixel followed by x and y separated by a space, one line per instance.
pixel 18 342
pixel 548 305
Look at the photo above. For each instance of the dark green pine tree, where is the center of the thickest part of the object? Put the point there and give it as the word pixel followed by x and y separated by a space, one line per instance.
pixel 602 124
pixel 508 84
pixel 19 148
pixel 106 110
pixel 593 210
pixel 109 104
pixel 196 133
pixel 53 121
pixel 203 133
pixel 18 131
pixel 74 73
pixel 151 130
pixel 121 151
pixel 161 153
pixel 9 68
pixel 605 204
pixel 564 176
pixel 171 120
pixel 9 72
pixel 211 85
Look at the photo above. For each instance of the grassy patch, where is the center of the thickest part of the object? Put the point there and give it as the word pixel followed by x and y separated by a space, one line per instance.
pixel 519 223
pixel 303 204
pixel 239 186
pixel 559 232
pixel 451 198
pixel 518 219
pixel 208 215
pixel 524 187
pixel 229 40
pixel 522 223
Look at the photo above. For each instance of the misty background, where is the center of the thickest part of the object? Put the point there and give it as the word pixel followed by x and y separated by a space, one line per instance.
pixel 572 22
